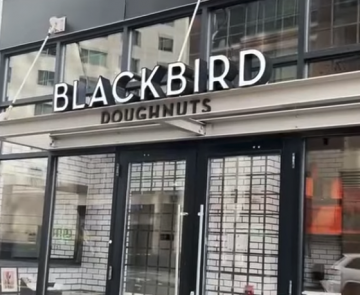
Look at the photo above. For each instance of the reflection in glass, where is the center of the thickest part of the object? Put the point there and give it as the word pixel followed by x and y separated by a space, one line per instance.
pixel 334 66
pixel 332 245
pixel 155 195
pixel 333 23
pixel 161 44
pixel 87 60
pixel 41 79
pixel 270 26
pixel 243 225
pixel 81 227
pixel 21 211
pixel 281 74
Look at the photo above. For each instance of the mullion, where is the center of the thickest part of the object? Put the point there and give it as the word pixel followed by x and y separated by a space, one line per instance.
pixel 221 221
pixel 249 222
pixel 148 234
pixel 264 224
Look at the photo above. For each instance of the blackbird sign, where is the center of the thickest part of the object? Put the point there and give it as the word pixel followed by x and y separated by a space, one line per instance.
pixel 219 73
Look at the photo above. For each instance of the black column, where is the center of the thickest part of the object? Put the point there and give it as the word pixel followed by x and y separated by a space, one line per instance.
pixel 47 222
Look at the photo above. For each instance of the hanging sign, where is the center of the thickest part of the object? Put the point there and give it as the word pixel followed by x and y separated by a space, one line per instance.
pixel 219 73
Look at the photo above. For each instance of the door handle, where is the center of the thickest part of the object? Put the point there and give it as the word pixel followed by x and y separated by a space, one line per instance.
pixel 199 255
pixel 180 216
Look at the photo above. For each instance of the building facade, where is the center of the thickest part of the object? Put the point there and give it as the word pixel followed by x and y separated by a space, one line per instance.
pixel 251 190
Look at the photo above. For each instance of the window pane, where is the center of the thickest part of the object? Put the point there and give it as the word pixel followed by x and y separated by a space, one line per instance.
pixel 333 23
pixel 81 228
pixel 87 60
pixel 335 66
pixel 286 73
pixel 41 79
pixel 332 248
pixel 162 43
pixel 21 210
pixel 270 26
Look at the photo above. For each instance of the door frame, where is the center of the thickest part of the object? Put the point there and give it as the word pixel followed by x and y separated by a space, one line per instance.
pixel 197 154
pixel 118 231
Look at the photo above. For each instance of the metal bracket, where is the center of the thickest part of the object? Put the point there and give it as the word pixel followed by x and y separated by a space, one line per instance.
pixel 190 125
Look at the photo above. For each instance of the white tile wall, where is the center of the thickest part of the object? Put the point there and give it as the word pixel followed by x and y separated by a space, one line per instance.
pixel 321 249
pixel 236 258
pixel 96 172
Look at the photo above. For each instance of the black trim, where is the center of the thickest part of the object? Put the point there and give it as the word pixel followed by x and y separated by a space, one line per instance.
pixel 20 156
pixel 47 223
pixel 302 40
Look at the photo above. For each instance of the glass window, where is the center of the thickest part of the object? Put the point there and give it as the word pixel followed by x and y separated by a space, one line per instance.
pixel 41 75
pixel 81 228
pixel 21 211
pixel 136 35
pixel 286 73
pixel 270 26
pixel 333 23
pixel 332 240
pixel 93 58
pixel 334 66
pixel 166 44
pixel 46 78
pixel 167 49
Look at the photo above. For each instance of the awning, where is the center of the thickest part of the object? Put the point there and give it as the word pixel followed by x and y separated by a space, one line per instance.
pixel 315 103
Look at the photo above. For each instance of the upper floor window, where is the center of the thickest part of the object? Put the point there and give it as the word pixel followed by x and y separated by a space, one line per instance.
pixel 85 64
pixel 270 26
pixel 93 57
pixel 90 82
pixel 333 23
pixel 167 48
pixel 136 35
pixel 42 74
pixel 166 44
pixel 46 78
pixel 49 51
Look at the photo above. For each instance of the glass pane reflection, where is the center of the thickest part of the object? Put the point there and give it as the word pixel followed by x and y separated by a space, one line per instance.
pixel 155 195
pixel 332 244
pixel 270 26
pixel 87 60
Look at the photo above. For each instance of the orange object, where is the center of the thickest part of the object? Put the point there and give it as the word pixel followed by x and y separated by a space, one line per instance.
pixel 309 187
pixel 336 189
pixel 326 220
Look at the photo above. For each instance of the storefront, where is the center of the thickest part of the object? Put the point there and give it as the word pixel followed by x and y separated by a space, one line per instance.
pixel 200 177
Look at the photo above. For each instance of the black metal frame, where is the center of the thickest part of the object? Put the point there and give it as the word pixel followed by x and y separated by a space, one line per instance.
pixel 299 60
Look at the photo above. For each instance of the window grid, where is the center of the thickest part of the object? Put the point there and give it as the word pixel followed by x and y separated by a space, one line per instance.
pixel 46 78
pixel 302 59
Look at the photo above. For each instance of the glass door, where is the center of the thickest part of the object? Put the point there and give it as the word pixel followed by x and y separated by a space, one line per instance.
pixel 242 225
pixel 156 246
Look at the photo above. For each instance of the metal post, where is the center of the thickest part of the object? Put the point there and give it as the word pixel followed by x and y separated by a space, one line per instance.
pixel 47 222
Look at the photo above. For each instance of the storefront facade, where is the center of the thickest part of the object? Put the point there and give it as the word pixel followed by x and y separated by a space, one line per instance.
pixel 221 187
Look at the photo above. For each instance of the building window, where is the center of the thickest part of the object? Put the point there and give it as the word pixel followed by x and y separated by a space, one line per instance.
pixel 333 23
pixel 136 35
pixel 46 78
pixel 332 240
pixel 93 57
pixel 43 109
pixel 101 60
pixel 151 53
pixel 9 74
pixel 51 51
pixel 21 210
pixel 334 66
pixel 166 44
pixel 270 26
pixel 82 217
pixel 135 65
pixel 34 86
